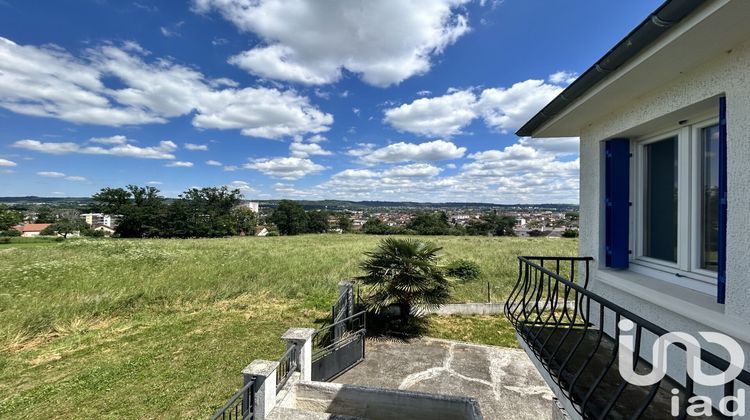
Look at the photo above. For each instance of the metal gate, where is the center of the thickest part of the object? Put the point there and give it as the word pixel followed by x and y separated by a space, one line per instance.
pixel 338 347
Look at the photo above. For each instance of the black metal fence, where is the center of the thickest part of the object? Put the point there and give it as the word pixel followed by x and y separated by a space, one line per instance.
pixel 574 333
pixel 288 364
pixel 240 406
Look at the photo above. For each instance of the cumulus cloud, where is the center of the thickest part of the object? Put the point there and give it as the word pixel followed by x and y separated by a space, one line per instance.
pixel 405 152
pixel 285 167
pixel 110 140
pixel 440 116
pixel 213 163
pixel 196 147
pixel 51 82
pixel 243 186
pixel 53 174
pixel 164 150
pixel 155 183
pixel 503 109
pixel 304 150
pixel 563 77
pixel 385 42
pixel 414 170
pixel 179 164
pixel 7 163
pixel 554 145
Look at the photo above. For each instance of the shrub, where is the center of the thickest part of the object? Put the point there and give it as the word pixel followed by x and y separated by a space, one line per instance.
pixel 570 233
pixel 10 233
pixel 404 273
pixel 465 270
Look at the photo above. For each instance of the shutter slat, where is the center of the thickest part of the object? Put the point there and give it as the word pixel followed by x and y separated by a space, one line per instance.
pixel 617 202
pixel 722 251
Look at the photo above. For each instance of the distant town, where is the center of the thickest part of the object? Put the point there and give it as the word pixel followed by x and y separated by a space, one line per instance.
pixel 549 220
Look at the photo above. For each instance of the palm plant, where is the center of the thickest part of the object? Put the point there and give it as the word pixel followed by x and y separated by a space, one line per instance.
pixel 404 272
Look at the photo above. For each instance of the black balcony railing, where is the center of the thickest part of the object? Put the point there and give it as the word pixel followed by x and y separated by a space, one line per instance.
pixel 574 333
pixel 240 406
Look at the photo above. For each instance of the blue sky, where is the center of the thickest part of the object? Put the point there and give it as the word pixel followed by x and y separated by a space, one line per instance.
pixel 303 99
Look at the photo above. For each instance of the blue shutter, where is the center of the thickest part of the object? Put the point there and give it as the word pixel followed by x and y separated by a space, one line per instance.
pixel 722 275
pixel 617 202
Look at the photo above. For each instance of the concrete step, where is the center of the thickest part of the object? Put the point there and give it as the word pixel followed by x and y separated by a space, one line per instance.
pixel 283 413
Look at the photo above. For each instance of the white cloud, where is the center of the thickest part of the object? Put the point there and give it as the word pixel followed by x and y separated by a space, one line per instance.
pixel 213 163
pixel 508 109
pixel 164 150
pixel 179 164
pixel 110 140
pixel 317 138
pixel 155 183
pixel 404 152
pixel 50 82
pixel 503 109
pixel 414 170
pixel 51 174
pixel 361 149
pixel 355 174
pixel 242 186
pixel 563 77
pixel 439 116
pixel 7 163
pixel 285 167
pixel 196 147
pixel 385 42
pixel 304 150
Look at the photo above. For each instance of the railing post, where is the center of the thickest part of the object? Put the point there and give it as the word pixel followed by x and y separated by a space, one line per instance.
pixel 263 372
pixel 346 286
pixel 302 338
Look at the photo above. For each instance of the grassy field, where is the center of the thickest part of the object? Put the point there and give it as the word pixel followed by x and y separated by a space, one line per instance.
pixel 162 328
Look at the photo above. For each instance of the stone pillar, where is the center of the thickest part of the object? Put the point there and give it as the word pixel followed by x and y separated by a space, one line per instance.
pixel 302 338
pixel 264 374
pixel 346 286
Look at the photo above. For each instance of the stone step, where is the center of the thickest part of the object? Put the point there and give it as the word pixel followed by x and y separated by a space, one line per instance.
pixel 283 413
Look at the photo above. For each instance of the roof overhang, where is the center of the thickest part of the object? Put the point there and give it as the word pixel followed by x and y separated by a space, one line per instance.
pixel 709 29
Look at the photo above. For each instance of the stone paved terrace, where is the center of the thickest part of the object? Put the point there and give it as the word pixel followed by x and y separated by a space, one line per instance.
pixel 504 381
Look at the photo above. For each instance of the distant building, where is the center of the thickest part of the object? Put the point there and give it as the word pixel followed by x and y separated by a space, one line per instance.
pixel 108 231
pixel 31 229
pixel 261 231
pixel 252 205
pixel 94 219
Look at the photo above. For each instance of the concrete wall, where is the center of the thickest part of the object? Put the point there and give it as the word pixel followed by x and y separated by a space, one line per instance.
pixel 381 403
pixel 679 310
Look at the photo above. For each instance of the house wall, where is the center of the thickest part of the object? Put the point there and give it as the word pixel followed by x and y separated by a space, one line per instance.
pixel 678 310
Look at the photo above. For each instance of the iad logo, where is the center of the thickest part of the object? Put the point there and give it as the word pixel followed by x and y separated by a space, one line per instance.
pixel 698 405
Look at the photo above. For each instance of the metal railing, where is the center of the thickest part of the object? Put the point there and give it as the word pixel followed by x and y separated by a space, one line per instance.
pixel 288 364
pixel 574 332
pixel 240 406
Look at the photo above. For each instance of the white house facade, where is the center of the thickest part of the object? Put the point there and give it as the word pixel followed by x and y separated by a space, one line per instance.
pixel 664 126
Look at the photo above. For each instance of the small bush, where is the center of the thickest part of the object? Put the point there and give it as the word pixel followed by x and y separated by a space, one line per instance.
pixel 10 233
pixel 570 233
pixel 465 270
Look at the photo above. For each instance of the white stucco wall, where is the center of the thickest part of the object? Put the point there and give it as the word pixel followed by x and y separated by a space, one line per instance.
pixel 728 73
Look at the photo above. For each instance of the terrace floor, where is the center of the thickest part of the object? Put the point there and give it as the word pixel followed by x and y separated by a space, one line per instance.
pixel 503 380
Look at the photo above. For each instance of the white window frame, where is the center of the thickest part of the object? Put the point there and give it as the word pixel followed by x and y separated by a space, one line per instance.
pixel 686 271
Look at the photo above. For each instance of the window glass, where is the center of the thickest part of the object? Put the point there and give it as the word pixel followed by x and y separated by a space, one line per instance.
pixel 709 190
pixel 660 204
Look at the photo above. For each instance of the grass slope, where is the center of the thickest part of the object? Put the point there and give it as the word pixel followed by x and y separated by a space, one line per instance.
pixel 162 328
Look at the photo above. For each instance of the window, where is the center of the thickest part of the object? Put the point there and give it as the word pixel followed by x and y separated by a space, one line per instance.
pixel 675 193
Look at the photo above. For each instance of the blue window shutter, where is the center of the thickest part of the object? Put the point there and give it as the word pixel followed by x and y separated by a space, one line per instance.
pixel 722 274
pixel 617 202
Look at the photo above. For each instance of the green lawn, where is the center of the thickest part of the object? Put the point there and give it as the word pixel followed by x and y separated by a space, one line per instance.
pixel 162 328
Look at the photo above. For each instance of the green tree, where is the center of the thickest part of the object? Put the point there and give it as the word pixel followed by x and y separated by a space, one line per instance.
pixel 67 224
pixel 570 233
pixel 143 215
pixel 45 214
pixel 290 218
pixel 9 217
pixel 492 224
pixel 112 200
pixel 375 226
pixel 209 211
pixel 404 272
pixel 317 222
pixel 426 223
pixel 243 221
pixel 344 222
